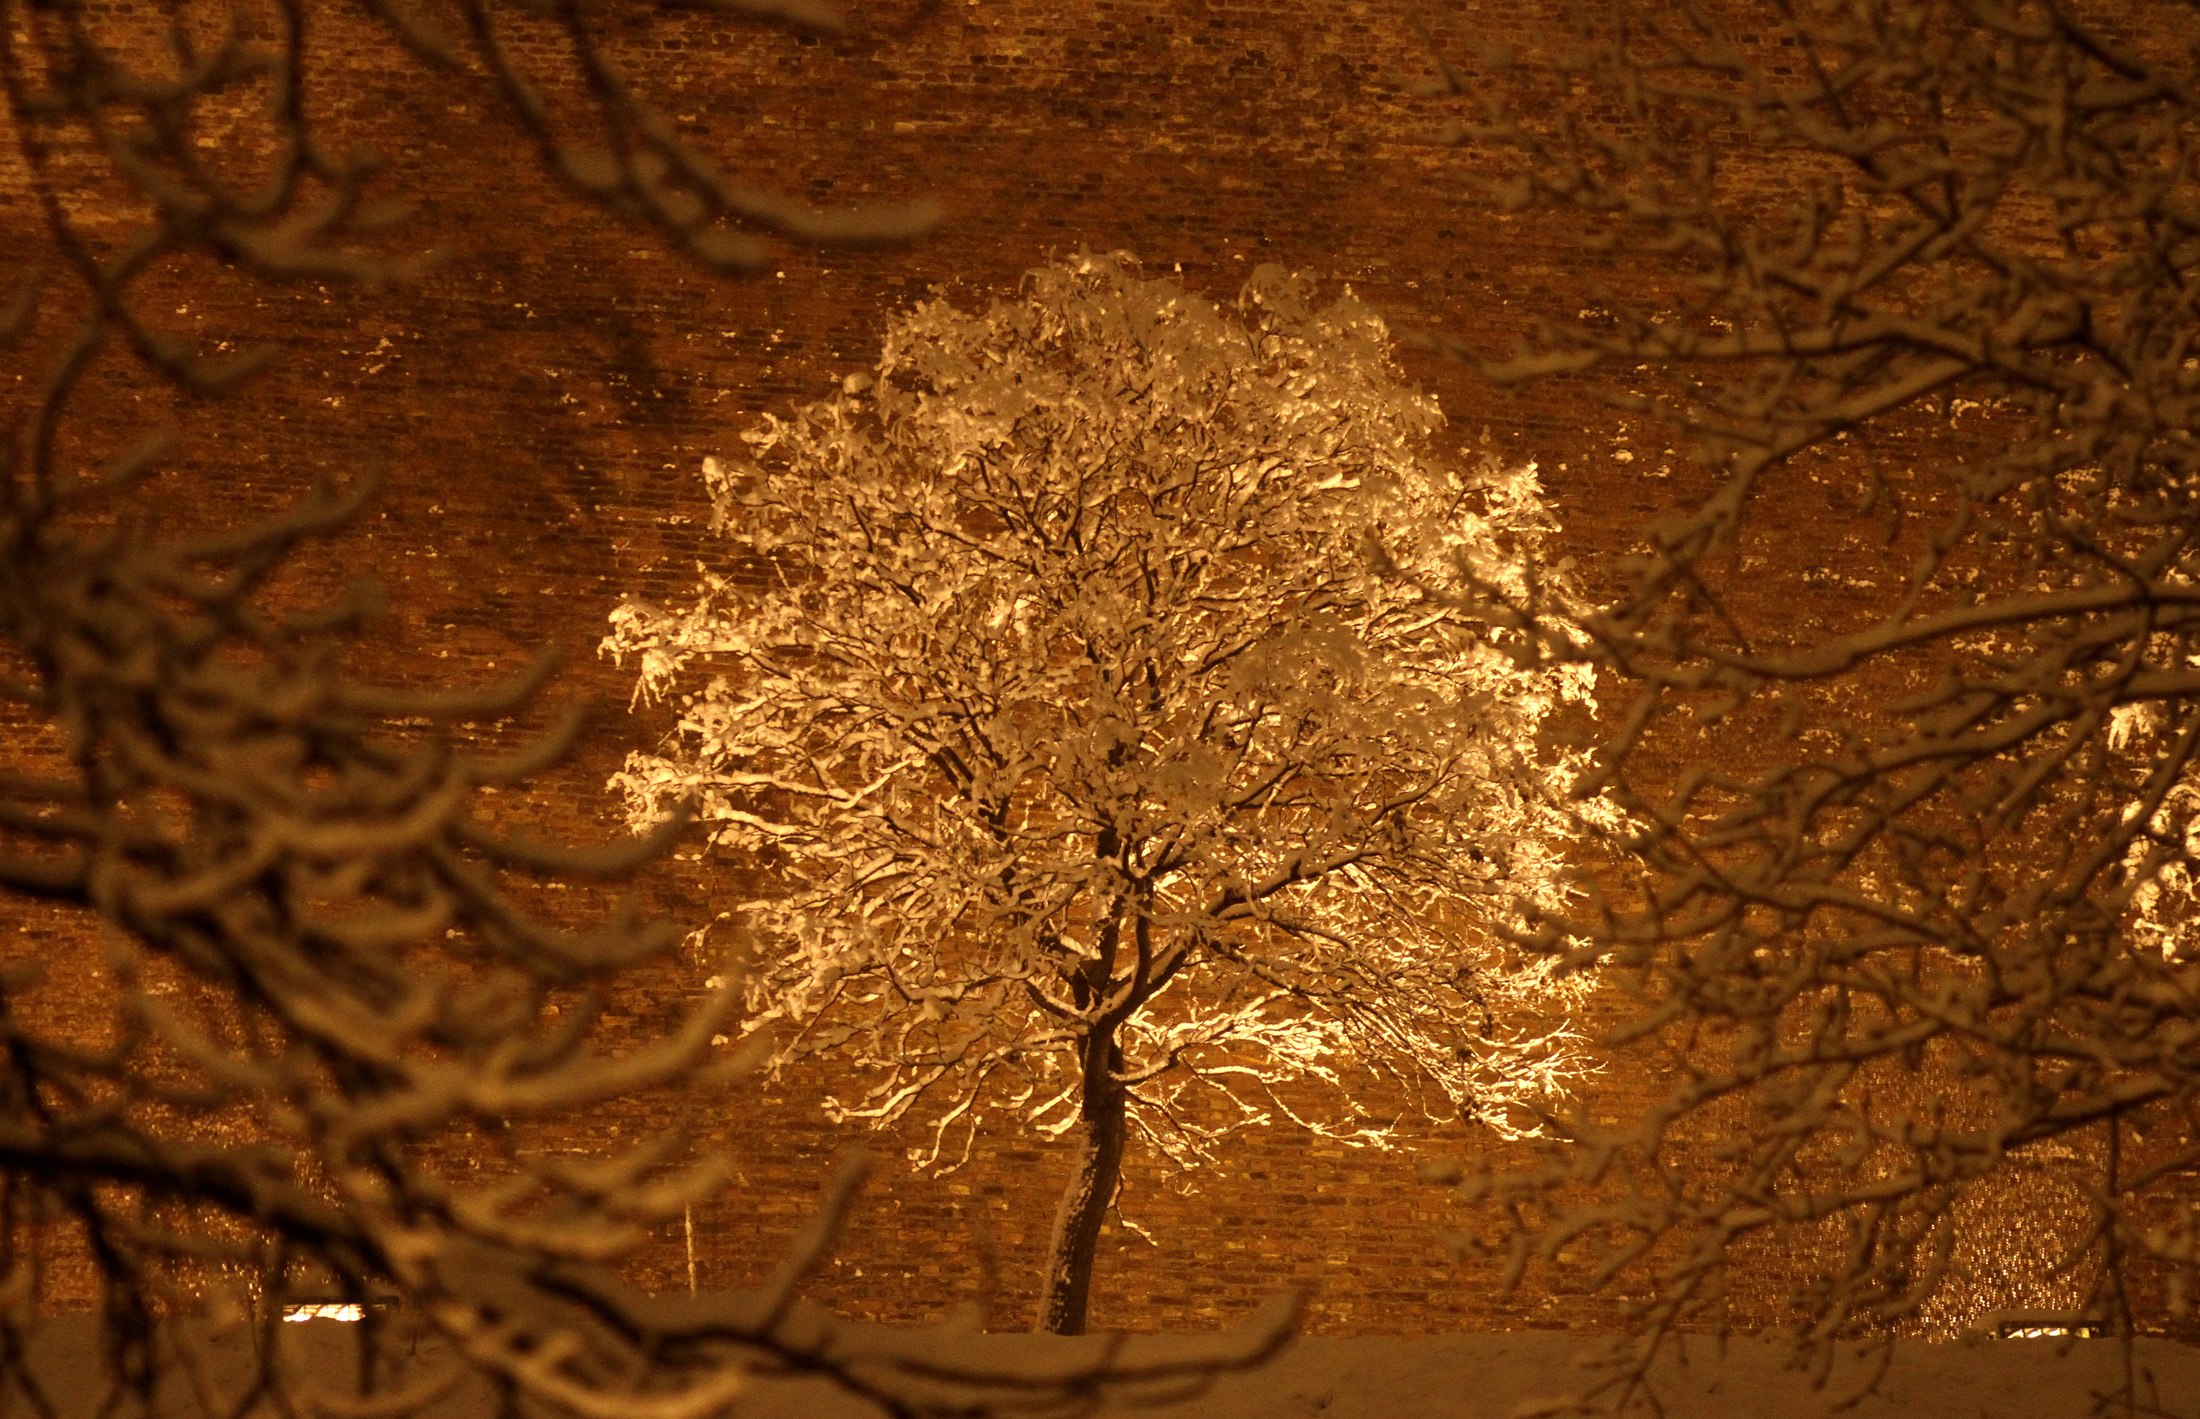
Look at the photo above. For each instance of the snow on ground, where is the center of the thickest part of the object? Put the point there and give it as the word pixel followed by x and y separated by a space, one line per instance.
pixel 1492 1376
pixel 1476 1376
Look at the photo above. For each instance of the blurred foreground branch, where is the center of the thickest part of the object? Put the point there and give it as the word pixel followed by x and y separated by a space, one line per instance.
pixel 1915 649
pixel 327 972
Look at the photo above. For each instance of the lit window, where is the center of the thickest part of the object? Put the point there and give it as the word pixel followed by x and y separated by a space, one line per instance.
pixel 2018 1330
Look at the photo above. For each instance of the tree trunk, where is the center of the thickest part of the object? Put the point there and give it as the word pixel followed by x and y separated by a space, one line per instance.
pixel 1098 1168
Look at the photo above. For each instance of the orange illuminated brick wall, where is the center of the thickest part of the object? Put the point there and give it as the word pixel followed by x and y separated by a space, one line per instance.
pixel 536 405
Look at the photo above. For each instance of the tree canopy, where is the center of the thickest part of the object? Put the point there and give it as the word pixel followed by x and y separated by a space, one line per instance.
pixel 1099 683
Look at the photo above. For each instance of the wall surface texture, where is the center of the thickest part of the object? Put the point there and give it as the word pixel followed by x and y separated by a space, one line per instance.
pixel 537 401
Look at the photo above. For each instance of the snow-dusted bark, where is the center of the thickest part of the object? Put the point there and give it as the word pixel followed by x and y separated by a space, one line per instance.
pixel 1919 933
pixel 1097 1140
pixel 1110 665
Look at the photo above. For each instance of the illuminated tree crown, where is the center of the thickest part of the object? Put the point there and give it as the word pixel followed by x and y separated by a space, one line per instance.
pixel 1098 686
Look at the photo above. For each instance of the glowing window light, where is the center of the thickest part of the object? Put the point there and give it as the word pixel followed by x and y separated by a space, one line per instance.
pixel 325 1310
pixel 2018 1330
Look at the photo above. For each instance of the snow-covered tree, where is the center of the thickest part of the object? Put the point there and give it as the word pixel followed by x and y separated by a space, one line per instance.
pixel 1099 685
pixel 1918 284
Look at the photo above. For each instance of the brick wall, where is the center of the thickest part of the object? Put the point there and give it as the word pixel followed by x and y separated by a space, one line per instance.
pixel 537 403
